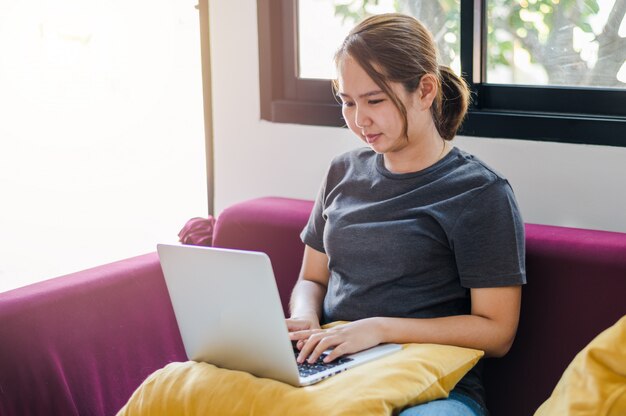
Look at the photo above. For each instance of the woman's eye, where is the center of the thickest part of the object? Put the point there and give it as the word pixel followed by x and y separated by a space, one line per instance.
pixel 376 101
pixel 347 104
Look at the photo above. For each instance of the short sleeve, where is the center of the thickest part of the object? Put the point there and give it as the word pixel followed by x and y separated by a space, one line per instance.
pixel 488 239
pixel 313 233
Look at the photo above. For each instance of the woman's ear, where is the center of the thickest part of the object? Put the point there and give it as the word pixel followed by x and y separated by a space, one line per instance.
pixel 427 90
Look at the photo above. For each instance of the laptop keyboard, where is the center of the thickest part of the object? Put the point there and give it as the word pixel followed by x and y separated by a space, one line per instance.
pixel 305 369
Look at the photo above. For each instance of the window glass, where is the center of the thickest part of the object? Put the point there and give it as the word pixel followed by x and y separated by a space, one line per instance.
pixel 557 42
pixel 322 25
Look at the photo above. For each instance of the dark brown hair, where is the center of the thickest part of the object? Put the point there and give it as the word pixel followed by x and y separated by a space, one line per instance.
pixel 394 47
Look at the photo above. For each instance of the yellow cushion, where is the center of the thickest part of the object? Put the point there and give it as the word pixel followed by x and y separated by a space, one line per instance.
pixel 595 381
pixel 415 374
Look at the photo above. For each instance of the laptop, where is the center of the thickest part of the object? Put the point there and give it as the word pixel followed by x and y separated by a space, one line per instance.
pixel 229 314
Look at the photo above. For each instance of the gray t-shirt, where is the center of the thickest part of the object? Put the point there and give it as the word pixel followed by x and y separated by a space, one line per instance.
pixel 412 245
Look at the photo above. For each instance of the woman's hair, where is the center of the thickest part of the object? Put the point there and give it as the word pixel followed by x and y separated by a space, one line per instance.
pixel 395 47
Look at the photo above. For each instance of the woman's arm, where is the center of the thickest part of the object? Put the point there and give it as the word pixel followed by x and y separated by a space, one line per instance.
pixel 490 327
pixel 308 293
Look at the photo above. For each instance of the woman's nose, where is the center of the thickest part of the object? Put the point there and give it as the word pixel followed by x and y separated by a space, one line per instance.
pixel 362 118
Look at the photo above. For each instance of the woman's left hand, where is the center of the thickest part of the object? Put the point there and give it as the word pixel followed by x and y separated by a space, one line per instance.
pixel 343 339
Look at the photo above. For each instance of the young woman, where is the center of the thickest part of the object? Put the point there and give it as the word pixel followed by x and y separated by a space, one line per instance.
pixel 410 238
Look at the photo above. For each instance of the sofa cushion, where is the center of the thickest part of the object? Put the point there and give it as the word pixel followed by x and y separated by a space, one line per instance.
pixel 595 381
pixel 417 373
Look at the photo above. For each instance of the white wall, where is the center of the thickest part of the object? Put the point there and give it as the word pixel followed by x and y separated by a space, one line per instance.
pixel 559 184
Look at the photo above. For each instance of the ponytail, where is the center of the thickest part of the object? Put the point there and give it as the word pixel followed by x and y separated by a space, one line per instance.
pixel 450 109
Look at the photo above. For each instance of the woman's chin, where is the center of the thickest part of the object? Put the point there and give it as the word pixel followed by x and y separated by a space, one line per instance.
pixel 375 146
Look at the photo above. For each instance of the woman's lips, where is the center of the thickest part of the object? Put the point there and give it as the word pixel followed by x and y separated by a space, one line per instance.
pixel 371 138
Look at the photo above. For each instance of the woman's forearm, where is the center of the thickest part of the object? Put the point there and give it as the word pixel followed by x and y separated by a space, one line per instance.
pixel 306 299
pixel 490 327
pixel 471 331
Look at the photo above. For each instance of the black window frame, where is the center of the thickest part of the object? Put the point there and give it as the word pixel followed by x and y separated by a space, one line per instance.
pixel 557 114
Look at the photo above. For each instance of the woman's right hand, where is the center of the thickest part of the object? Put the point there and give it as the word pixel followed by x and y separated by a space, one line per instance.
pixel 295 324
pixel 302 323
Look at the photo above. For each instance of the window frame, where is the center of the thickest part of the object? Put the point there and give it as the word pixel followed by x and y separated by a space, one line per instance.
pixel 558 114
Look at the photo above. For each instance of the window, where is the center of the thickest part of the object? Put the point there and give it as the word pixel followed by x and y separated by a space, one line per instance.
pixel 535 75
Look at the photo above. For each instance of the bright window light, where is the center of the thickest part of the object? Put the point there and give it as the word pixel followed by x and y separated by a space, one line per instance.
pixel 102 137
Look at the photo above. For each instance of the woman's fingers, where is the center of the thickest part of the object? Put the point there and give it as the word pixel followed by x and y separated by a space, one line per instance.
pixel 315 345
pixel 342 340
pixel 338 351
pixel 298 324
pixel 303 334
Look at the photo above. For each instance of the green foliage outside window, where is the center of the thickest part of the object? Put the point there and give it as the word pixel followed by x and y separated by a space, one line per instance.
pixel 549 32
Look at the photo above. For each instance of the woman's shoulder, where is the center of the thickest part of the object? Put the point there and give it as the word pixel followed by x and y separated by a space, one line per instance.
pixel 356 154
pixel 470 167
pixel 353 158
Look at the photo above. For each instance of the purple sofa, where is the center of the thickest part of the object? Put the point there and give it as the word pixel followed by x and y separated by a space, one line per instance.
pixel 80 344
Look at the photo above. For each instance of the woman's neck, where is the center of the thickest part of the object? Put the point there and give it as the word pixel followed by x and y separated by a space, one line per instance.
pixel 417 155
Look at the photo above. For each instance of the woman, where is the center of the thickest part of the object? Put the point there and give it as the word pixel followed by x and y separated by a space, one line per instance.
pixel 410 238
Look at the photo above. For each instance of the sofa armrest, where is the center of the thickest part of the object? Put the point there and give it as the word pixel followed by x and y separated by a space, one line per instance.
pixel 80 344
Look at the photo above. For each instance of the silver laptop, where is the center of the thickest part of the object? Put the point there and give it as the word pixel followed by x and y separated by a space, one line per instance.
pixel 229 314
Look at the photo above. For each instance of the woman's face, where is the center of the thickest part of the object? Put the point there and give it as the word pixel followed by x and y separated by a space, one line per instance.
pixel 371 114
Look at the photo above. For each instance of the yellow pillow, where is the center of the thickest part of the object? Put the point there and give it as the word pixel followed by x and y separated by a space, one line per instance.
pixel 418 373
pixel 595 381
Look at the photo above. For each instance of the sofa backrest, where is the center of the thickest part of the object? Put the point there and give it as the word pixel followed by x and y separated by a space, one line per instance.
pixel 576 287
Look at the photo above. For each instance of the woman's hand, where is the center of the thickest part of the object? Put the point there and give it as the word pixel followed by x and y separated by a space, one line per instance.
pixel 343 339
pixel 302 323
